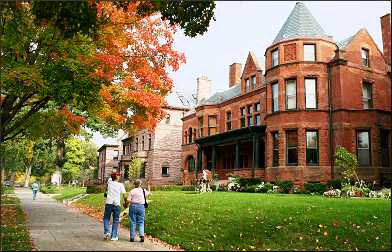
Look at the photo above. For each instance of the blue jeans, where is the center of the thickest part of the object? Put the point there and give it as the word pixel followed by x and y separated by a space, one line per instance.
pixel 136 217
pixel 109 209
pixel 34 194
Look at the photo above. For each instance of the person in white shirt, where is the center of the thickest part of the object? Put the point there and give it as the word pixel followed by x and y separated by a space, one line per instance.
pixel 113 206
pixel 137 198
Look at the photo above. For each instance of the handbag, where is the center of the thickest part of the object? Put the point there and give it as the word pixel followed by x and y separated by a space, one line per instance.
pixel 145 201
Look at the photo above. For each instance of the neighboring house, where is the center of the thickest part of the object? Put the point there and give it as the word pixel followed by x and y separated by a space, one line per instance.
pixel 108 160
pixel 283 117
pixel 159 150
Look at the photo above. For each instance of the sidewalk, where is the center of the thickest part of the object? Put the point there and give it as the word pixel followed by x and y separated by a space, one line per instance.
pixel 55 227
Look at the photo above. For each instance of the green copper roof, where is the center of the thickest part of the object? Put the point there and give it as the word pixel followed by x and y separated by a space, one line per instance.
pixel 300 23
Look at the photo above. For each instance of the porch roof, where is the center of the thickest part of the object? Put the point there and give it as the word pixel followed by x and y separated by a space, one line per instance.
pixel 231 136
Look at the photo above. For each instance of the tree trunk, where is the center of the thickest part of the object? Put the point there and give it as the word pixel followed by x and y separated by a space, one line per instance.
pixel 60 159
pixel 27 175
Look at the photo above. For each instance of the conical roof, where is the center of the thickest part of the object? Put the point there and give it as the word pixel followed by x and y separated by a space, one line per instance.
pixel 300 23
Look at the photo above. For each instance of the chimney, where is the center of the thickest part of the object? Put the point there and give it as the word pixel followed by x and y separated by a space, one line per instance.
pixel 386 36
pixel 203 88
pixel 234 74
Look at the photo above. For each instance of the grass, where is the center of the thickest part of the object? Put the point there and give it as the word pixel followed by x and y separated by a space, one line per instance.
pixel 68 192
pixel 237 221
pixel 14 234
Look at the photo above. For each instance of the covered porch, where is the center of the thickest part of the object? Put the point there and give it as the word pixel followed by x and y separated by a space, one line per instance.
pixel 240 152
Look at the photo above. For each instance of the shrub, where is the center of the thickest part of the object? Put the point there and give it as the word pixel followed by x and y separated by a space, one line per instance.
pixel 95 188
pixel 188 188
pixel 318 188
pixel 335 184
pixel 285 186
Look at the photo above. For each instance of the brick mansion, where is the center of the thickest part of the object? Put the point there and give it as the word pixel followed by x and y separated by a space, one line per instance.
pixel 283 115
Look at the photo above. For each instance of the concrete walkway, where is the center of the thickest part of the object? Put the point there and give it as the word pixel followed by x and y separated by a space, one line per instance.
pixel 55 227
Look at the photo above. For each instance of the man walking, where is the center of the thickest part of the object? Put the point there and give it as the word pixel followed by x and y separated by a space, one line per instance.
pixel 112 207
pixel 35 188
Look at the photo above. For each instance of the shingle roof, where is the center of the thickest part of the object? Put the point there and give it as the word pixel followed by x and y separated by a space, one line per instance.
pixel 300 23
pixel 220 97
pixel 342 44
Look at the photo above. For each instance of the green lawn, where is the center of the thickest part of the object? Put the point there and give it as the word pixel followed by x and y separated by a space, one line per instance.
pixel 14 234
pixel 250 221
pixel 68 192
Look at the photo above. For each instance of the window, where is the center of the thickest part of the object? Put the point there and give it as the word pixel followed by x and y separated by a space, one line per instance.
pixel 191 164
pixel 247 86
pixel 143 170
pixel 149 142
pixel 228 120
pixel 115 155
pixel 167 121
pixel 367 95
pixel 242 117
pixel 165 169
pixel 142 142
pixel 211 125
pixel 363 148
pixel 312 152
pixel 257 107
pixel 275 57
pixel 291 147
pixel 190 135
pixel 254 82
pixel 257 119
pixel 365 57
pixel 310 52
pixel 275 149
pixel 275 90
pixel 310 93
pixel 291 94
pixel 200 126
pixel 384 144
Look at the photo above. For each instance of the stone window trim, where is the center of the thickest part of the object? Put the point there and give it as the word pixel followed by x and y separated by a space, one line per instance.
pixel 357 148
pixel 315 51
pixel 316 93
pixel 287 81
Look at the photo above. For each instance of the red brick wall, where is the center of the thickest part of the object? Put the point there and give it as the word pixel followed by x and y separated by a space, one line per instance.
pixel 386 36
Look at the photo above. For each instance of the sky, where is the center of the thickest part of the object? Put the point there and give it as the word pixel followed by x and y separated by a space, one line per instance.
pixel 243 26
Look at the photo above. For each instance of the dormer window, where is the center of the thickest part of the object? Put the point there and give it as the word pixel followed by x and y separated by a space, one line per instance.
pixel 275 57
pixel 365 57
pixel 309 52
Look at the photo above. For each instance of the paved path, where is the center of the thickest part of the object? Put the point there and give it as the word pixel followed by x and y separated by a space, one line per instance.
pixel 55 227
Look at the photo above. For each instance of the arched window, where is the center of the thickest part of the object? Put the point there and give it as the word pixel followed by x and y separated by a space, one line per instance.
pixel 191 164
pixel 190 134
pixel 165 169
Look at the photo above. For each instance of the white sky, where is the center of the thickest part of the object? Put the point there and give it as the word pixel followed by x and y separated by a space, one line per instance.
pixel 244 26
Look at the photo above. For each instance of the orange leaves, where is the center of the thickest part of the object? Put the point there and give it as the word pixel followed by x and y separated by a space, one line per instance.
pixel 134 56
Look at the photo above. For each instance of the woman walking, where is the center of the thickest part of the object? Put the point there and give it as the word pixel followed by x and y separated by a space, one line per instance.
pixel 137 199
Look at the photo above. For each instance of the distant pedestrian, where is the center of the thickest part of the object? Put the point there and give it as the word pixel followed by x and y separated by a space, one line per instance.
pixel 112 207
pixel 35 188
pixel 137 198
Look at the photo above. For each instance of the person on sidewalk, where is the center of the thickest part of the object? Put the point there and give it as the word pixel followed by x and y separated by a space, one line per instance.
pixel 35 188
pixel 112 207
pixel 137 198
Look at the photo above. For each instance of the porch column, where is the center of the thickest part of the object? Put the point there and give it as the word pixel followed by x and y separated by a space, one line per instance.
pixel 213 158
pixel 254 154
pixel 199 160
pixel 257 151
pixel 237 155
